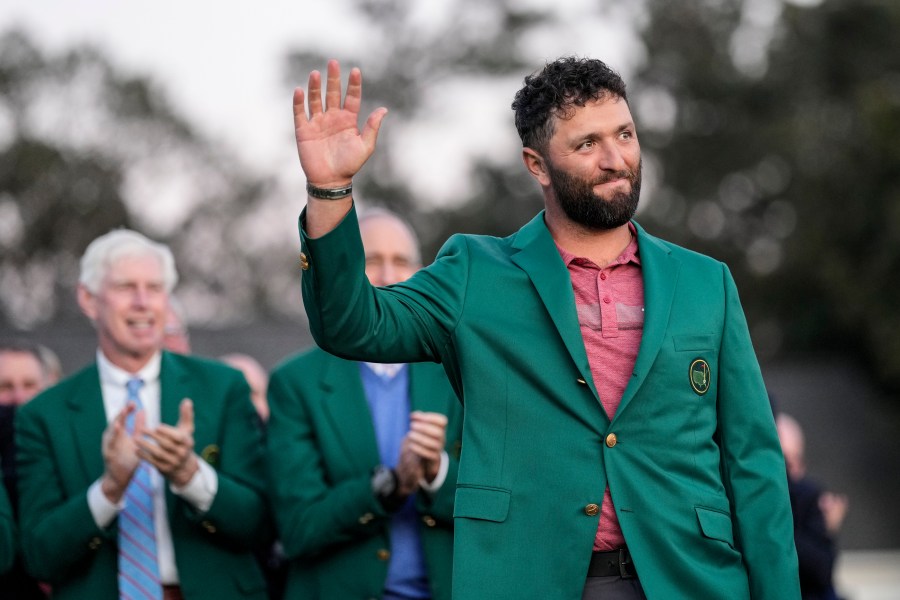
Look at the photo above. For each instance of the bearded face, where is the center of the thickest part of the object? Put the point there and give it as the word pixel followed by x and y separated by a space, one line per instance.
pixel 590 209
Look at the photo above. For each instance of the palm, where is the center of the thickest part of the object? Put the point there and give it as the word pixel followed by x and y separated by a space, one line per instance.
pixel 331 147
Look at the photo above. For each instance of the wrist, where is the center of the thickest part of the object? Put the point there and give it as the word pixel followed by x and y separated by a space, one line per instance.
pixel 329 192
pixel 183 475
pixel 112 489
pixel 386 487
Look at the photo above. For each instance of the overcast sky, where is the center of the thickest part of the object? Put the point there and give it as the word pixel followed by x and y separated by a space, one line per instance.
pixel 221 63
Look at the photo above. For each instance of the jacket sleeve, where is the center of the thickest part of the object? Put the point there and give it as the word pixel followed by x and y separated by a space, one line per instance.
pixel 239 514
pixel 312 513
pixel 752 462
pixel 58 531
pixel 7 532
pixel 411 321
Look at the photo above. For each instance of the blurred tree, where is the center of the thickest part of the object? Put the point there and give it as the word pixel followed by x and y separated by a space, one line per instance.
pixel 759 120
pixel 84 149
pixel 774 132
pixel 475 44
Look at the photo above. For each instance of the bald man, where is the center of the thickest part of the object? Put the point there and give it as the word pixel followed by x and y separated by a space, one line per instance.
pixel 363 459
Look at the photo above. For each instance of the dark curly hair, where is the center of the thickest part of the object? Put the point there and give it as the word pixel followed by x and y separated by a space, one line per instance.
pixel 555 90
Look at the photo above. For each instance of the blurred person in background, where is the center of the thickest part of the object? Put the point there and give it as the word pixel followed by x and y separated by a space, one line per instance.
pixel 7 540
pixel 141 474
pixel 53 370
pixel 25 369
pixel 256 377
pixel 272 558
pixel 176 337
pixel 363 459
pixel 818 515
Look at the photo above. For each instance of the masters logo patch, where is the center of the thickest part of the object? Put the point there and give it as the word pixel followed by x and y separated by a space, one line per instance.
pixel 699 376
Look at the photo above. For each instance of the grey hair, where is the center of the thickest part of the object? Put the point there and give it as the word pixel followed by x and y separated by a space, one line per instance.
pixel 120 243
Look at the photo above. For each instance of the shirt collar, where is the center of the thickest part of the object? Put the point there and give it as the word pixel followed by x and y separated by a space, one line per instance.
pixel 111 374
pixel 385 370
pixel 628 255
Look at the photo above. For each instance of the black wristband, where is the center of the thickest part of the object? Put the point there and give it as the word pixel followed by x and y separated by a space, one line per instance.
pixel 329 194
pixel 386 486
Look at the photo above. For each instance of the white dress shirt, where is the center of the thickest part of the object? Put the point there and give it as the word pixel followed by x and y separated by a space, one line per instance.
pixel 200 491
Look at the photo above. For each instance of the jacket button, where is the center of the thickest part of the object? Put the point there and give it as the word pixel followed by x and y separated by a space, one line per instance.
pixel 383 554
pixel 209 526
pixel 304 261
pixel 429 521
pixel 611 440
pixel 95 543
pixel 366 518
pixel 581 381
pixel 591 510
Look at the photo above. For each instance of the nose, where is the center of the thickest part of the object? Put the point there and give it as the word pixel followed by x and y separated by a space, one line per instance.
pixel 389 274
pixel 611 158
pixel 140 296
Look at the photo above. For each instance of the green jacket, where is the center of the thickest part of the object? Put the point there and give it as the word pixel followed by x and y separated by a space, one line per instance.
pixel 58 435
pixel 322 451
pixel 697 477
pixel 7 532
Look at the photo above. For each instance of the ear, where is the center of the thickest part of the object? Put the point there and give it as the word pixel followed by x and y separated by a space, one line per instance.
pixel 536 166
pixel 87 302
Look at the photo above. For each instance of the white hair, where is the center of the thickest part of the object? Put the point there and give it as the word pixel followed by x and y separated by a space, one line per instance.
pixel 120 243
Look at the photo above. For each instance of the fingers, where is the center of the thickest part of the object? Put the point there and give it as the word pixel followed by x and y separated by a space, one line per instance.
pixel 437 419
pixel 373 125
pixel 427 434
pixel 353 100
pixel 122 417
pixel 299 109
pixel 333 86
pixel 186 415
pixel 314 92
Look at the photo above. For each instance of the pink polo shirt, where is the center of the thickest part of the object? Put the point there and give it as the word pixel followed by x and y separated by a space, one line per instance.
pixel 610 304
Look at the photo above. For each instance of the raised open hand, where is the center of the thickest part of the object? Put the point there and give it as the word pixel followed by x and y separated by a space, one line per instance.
pixel 331 147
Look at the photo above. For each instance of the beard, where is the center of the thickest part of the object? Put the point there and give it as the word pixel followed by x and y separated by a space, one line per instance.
pixel 577 198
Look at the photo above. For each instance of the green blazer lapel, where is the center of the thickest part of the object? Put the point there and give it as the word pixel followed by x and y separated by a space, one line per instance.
pixel 172 376
pixel 540 259
pixel 343 400
pixel 660 272
pixel 88 421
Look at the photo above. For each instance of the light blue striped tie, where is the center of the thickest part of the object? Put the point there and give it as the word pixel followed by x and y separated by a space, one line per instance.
pixel 138 568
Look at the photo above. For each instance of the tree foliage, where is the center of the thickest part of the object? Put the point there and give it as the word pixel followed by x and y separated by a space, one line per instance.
pixel 769 130
pixel 782 159
pixel 84 149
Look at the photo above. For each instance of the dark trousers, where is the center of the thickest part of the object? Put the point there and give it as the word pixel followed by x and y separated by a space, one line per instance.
pixel 612 588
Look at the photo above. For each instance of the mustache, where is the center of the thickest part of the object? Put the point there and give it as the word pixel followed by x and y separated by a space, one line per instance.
pixel 629 175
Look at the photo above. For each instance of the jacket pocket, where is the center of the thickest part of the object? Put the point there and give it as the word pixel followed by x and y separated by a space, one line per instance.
pixel 485 503
pixel 696 342
pixel 715 525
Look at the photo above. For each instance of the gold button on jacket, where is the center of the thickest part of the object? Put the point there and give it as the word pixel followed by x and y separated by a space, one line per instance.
pixel 591 510
pixel 383 554
pixel 611 440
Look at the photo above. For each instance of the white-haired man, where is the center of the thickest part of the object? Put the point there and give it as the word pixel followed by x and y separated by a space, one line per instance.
pixel 115 500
